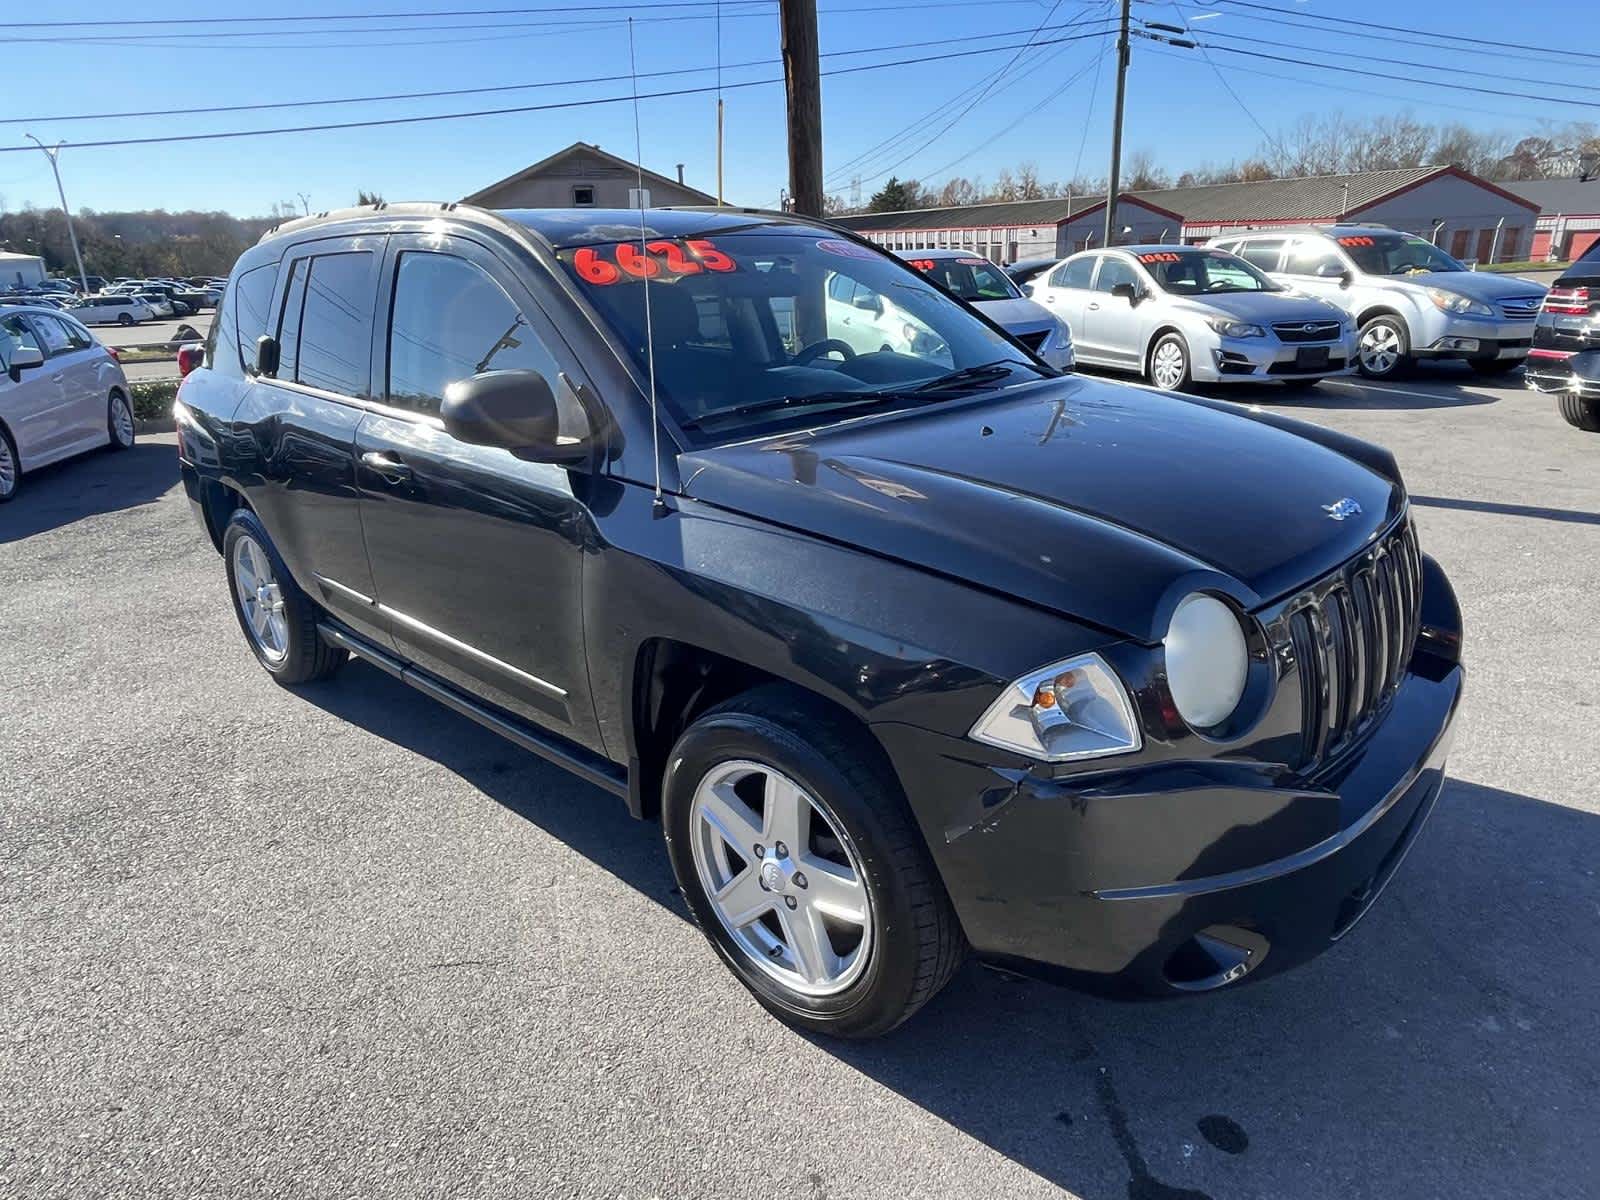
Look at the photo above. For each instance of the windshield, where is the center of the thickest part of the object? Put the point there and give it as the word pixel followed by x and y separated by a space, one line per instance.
pixel 1203 272
pixel 756 327
pixel 971 278
pixel 1395 254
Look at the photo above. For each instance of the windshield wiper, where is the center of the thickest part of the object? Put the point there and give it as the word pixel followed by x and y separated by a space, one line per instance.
pixel 842 399
pixel 980 374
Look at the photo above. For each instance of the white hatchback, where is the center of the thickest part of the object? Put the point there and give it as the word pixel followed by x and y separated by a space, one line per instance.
pixel 61 393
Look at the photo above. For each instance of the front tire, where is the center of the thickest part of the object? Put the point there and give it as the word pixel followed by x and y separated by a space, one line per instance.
pixel 1169 363
pixel 10 466
pixel 792 843
pixel 1384 348
pixel 278 619
pixel 1580 412
pixel 119 421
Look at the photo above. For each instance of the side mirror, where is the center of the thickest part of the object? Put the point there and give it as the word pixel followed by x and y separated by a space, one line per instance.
pixel 266 355
pixel 870 303
pixel 24 358
pixel 1128 291
pixel 514 410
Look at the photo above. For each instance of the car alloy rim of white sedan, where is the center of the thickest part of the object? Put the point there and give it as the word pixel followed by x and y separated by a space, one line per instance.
pixel 1168 366
pixel 1380 348
pixel 782 877
pixel 260 599
pixel 8 468
pixel 121 421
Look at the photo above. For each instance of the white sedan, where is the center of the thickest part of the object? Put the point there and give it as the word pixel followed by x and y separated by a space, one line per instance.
pixel 61 393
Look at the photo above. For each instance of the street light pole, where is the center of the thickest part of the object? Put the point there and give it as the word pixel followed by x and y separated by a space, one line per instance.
pixel 1115 177
pixel 72 234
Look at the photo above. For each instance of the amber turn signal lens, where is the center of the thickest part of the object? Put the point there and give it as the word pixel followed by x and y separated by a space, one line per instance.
pixel 1045 696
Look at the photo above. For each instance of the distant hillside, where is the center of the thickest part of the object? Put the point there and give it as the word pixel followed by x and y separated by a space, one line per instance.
pixel 154 242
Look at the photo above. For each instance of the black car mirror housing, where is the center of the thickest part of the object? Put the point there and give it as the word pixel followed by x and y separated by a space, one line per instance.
pixel 514 410
pixel 1128 291
pixel 266 355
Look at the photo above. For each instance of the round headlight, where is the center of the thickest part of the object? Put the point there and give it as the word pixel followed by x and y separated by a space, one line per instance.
pixel 1206 660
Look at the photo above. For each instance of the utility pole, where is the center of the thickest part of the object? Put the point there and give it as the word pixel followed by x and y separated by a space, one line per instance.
pixel 1115 178
pixel 802 75
pixel 50 152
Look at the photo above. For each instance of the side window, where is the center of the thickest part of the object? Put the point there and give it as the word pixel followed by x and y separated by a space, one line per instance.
pixel 1312 258
pixel 1261 253
pixel 1113 271
pixel 450 320
pixel 841 287
pixel 248 305
pixel 289 321
pixel 1075 274
pixel 336 324
pixel 54 335
pixel 80 337
pixel 18 334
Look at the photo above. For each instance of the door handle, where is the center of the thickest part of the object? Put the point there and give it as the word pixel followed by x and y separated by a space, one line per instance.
pixel 387 465
pixel 1095 307
pixel 1049 299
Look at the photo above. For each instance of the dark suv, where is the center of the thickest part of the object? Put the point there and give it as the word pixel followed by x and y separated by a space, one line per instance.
pixel 1565 358
pixel 909 650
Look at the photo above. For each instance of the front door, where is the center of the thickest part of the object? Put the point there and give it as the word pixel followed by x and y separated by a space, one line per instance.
pixel 1111 323
pixel 476 555
pixel 1312 266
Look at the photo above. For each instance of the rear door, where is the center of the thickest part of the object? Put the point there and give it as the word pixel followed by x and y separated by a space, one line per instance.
pixel 296 430
pixel 1065 292
pixel 476 555
pixel 74 363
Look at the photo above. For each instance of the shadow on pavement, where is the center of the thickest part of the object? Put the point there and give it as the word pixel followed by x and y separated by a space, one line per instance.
pixel 1571 515
pixel 87 486
pixel 1448 1047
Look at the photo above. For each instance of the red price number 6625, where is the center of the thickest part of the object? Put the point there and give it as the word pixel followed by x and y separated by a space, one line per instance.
pixel 630 261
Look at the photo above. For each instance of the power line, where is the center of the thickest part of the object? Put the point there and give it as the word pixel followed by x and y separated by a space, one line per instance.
pixel 472 91
pixel 1460 87
pixel 1497 43
pixel 373 16
pixel 168 139
pixel 1228 87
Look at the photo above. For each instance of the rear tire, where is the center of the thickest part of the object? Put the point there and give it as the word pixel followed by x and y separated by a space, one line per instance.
pixel 124 319
pixel 279 621
pixel 119 421
pixel 1580 412
pixel 728 782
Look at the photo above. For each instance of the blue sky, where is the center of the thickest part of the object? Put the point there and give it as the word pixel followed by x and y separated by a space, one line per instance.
pixel 1178 110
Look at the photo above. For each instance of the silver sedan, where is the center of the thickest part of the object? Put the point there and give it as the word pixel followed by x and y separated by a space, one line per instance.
pixel 1187 314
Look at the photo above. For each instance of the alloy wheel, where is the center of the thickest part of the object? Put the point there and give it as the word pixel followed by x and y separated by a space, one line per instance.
pixel 1168 366
pixel 1380 348
pixel 782 877
pixel 260 599
pixel 121 420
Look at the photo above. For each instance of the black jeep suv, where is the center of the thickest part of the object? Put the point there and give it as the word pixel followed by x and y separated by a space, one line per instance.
pixel 909 650
pixel 1565 358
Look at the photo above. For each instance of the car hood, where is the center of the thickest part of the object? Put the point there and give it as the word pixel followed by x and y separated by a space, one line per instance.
pixel 1099 500
pixel 1480 285
pixel 1016 315
pixel 1261 308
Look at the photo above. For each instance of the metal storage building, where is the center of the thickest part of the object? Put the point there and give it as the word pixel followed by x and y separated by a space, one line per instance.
pixel 1569 217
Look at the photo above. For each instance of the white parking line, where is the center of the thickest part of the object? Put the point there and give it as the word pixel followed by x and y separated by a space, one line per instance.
pixel 1375 387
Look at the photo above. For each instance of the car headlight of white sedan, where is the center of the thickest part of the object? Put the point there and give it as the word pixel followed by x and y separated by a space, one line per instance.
pixel 1228 327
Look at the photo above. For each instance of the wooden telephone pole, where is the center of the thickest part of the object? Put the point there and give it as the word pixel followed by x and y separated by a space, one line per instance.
pixel 1113 183
pixel 802 75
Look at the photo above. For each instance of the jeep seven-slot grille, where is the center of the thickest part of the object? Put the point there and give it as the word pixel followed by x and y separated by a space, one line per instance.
pixel 1353 634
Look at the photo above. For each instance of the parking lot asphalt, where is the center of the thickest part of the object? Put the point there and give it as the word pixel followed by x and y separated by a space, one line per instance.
pixel 340 941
